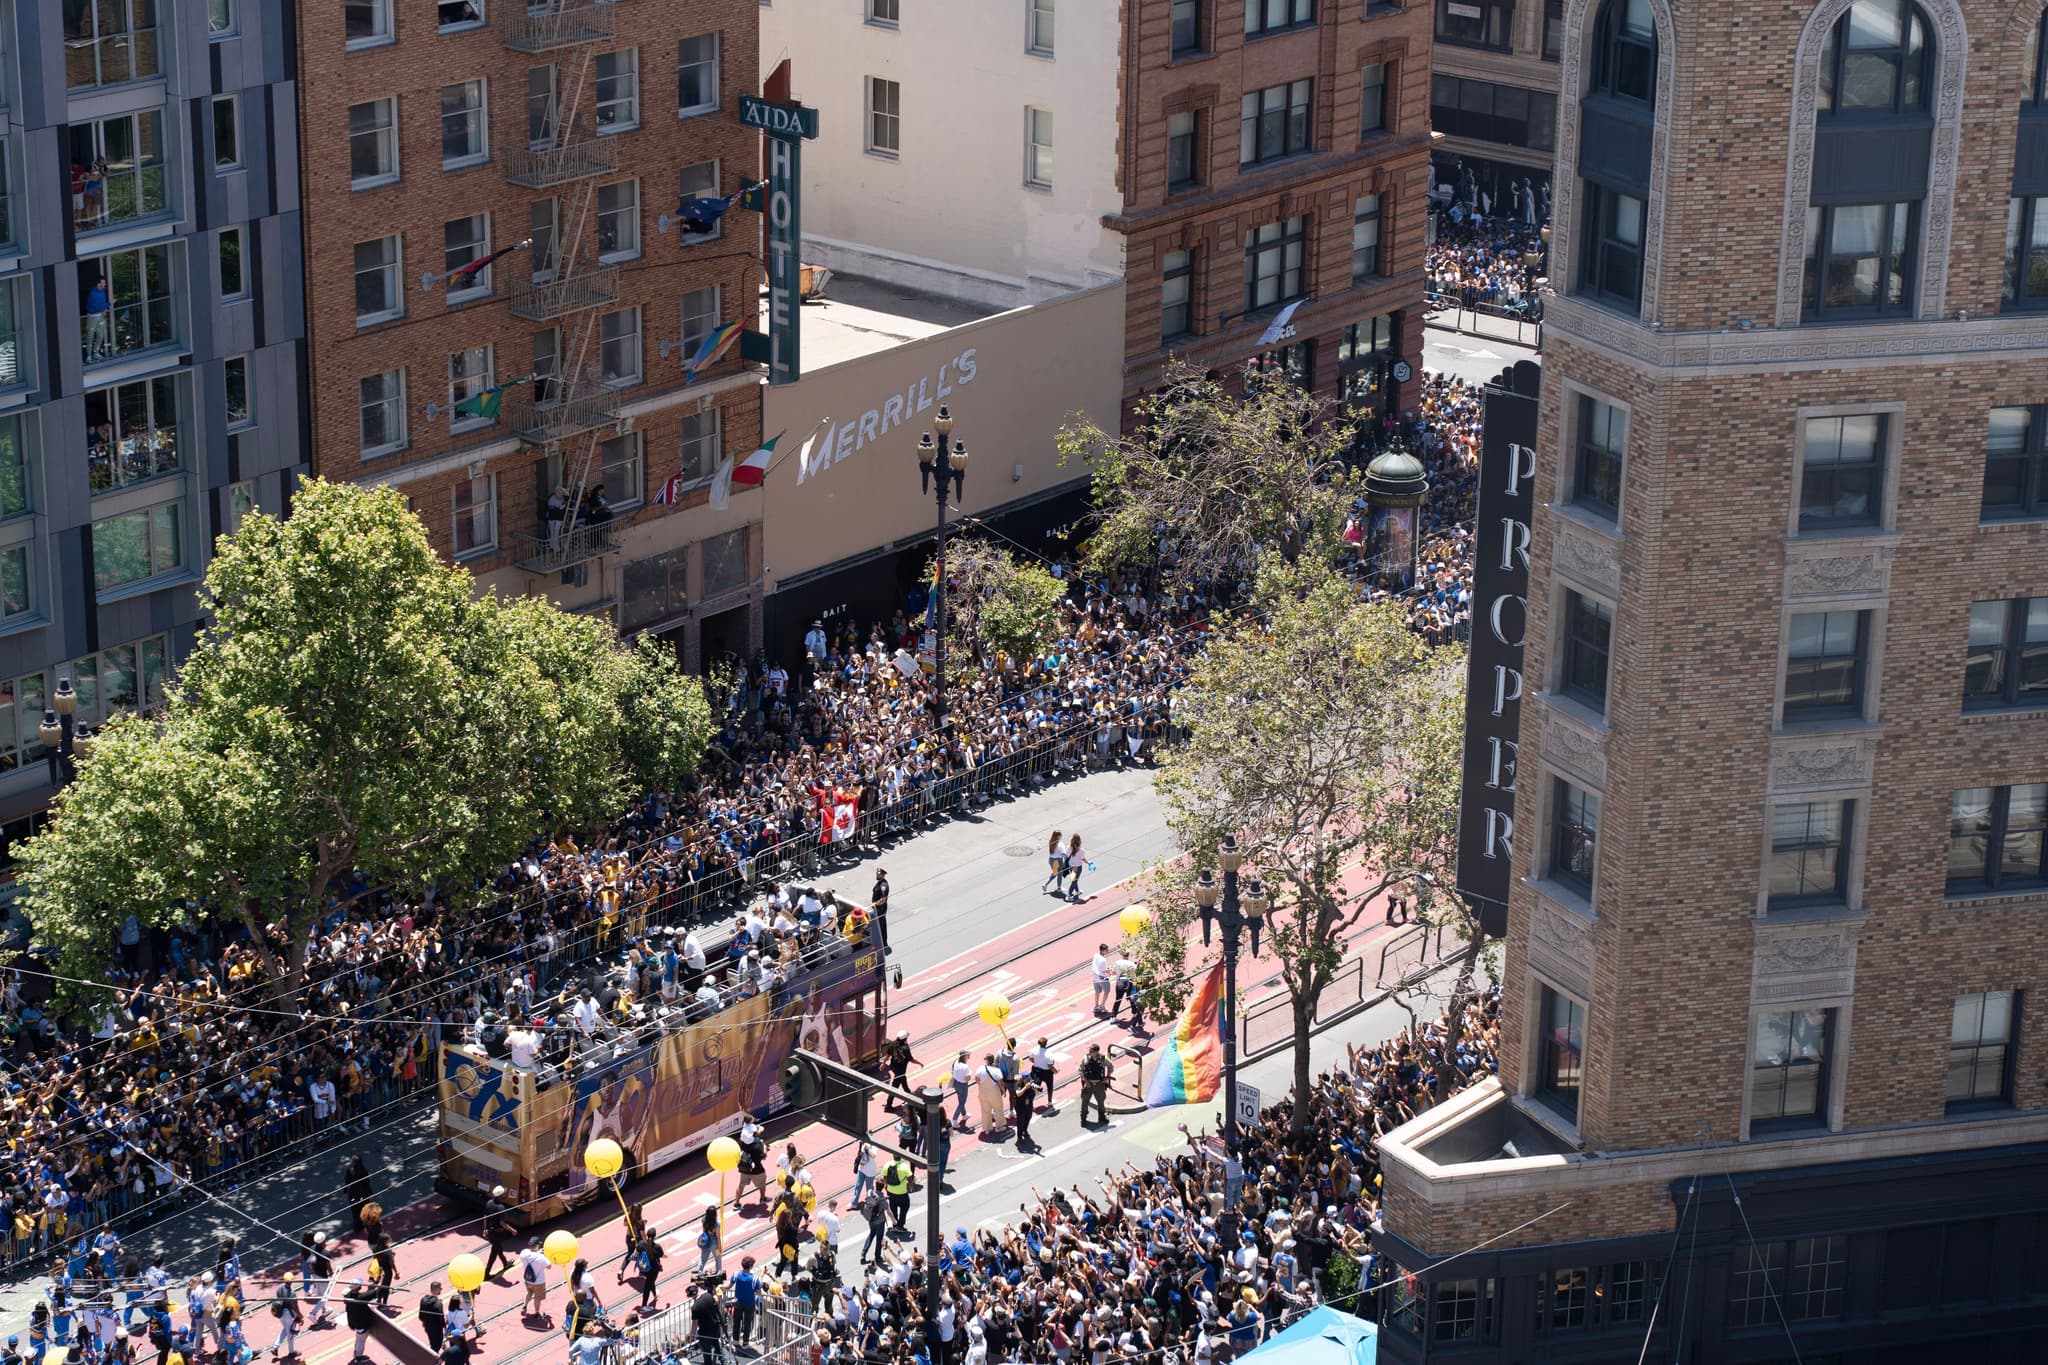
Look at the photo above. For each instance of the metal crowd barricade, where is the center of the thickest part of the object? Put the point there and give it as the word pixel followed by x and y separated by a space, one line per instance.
pixel 787 1334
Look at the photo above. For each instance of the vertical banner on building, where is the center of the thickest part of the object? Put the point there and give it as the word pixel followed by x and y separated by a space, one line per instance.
pixel 1493 687
pixel 787 125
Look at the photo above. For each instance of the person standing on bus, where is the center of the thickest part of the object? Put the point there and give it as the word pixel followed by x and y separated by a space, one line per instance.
pixel 878 905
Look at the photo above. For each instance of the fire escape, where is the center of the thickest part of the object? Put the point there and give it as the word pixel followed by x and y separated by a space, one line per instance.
pixel 567 415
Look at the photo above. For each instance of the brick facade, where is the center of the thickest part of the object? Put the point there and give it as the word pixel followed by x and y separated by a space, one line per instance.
pixel 414 67
pixel 1210 217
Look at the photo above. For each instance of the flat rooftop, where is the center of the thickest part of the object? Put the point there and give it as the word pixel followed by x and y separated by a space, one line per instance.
pixel 858 317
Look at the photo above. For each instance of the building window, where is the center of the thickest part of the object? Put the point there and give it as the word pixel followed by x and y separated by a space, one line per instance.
pixel 1365 360
pixel 619 347
pixel 117 171
pixel 1187 27
pixel 1462 1310
pixel 1176 295
pixel 366 22
pixel 1589 638
pixel 1493 113
pixel 1877 60
pixel 547 365
pixel 2007 662
pixel 7 234
pixel 128 306
pixel 137 546
pixel 1295 364
pixel 1859 260
pixel 885 116
pixel 702 313
pixel 464 240
pixel 1272 263
pixel 227 132
pixel 380 413
pixel 1626 1297
pixel 618 221
pixel 239 507
pixel 17 597
pixel 1841 471
pixel 701 181
pixel 1802 1280
pixel 1624 51
pixel 230 254
pixel 1560 1064
pixel 460 14
pixel 702 443
pixel 1574 832
pixel 1980 1050
pixel 1788 1075
pixel 1995 839
pixel 1611 265
pixel 618 90
pixel 1372 107
pixel 132 433
pixel 697 75
pixel 372 143
pixel 1274 122
pixel 540 106
pixel 1810 853
pixel 1038 27
pixel 1272 16
pixel 1553 30
pixel 725 562
pixel 1476 23
pixel 884 12
pixel 1603 436
pixel 654 590
pixel 1366 259
pixel 621 470
pixel 2025 284
pixel 236 374
pixel 1824 665
pixel 2016 465
pixel 475 503
pixel 1565 1299
pixel 111 42
pixel 1183 157
pixel 17 470
pixel 380 288
pixel 1038 148
pixel 469 380
pixel 463 139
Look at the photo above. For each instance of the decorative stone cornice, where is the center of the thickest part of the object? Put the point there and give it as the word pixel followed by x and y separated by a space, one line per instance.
pixel 1825 572
pixel 1800 765
pixel 1803 960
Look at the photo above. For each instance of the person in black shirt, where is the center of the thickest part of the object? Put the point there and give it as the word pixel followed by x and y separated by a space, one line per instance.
pixel 709 1319
pixel 878 906
pixel 433 1316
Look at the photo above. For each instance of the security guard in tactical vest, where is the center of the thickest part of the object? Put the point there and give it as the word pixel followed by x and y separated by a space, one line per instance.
pixel 896 1178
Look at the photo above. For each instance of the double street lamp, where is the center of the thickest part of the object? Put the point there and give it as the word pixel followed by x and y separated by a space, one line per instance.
pixel 65 741
pixel 1238 913
pixel 941 463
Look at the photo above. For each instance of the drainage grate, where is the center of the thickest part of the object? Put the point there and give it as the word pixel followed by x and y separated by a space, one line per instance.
pixel 1020 850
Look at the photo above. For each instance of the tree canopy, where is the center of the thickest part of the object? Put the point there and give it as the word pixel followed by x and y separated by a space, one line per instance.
pixel 352 706
pixel 997 603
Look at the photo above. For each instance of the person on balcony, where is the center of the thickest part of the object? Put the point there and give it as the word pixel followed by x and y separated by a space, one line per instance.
pixel 99 322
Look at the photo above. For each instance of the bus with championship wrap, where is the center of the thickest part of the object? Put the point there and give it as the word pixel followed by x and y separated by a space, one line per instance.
pixel 662 1082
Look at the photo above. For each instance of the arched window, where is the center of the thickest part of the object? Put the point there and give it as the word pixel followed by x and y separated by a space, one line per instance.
pixel 1617 126
pixel 1625 52
pixel 1878 60
pixel 2036 91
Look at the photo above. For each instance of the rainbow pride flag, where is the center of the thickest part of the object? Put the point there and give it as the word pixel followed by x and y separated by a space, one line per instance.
pixel 1190 1070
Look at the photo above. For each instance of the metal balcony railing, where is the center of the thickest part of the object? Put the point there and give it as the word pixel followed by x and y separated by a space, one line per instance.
pixel 540 168
pixel 560 24
pixel 543 424
pixel 546 300
pixel 542 554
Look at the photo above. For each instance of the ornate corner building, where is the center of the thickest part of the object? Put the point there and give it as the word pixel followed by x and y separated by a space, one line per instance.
pixel 1771 1081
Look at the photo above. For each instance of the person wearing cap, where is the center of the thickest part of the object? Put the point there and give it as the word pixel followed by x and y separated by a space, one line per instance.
pixel 316 1269
pixel 878 905
pixel 501 1232
pixel 896 1055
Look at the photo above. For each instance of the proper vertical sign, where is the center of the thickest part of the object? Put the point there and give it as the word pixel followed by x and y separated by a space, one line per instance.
pixel 1500 606
pixel 786 126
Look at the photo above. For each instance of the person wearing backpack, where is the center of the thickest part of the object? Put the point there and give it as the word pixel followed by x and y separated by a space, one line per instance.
pixel 874 1208
pixel 284 1306
pixel 650 1256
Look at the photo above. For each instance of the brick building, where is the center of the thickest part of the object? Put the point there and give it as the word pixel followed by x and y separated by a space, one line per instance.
pixel 1771 1076
pixel 1493 95
pixel 436 135
pixel 1274 151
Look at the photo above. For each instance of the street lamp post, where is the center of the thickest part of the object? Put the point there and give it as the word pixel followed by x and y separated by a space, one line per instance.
pixel 939 465
pixel 1238 914
pixel 65 741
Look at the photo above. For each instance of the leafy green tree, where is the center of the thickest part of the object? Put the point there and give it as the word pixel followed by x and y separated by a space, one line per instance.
pixel 996 602
pixel 352 706
pixel 1210 473
pixel 1325 735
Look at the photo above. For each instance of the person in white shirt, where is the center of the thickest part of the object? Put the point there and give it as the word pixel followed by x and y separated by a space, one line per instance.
pixel 1098 971
pixel 828 1221
pixel 1042 1073
pixel 533 1273
pixel 321 1092
pixel 693 952
pixel 587 1015
pixel 524 1046
pixel 707 997
pixel 1126 983
pixel 963 1081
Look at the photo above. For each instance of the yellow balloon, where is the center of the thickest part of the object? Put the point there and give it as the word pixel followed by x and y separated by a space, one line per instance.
pixel 723 1154
pixel 603 1158
pixel 561 1246
pixel 1134 918
pixel 994 1008
pixel 466 1272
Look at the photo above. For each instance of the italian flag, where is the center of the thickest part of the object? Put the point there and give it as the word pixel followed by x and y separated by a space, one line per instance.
pixel 750 472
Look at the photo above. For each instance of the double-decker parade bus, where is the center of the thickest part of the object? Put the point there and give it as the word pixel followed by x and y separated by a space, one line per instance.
pixel 662 1087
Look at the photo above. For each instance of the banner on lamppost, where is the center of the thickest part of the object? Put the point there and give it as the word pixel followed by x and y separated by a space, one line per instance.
pixel 786 126
pixel 1493 684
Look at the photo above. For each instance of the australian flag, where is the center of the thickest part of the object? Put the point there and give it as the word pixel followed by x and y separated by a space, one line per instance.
pixel 700 216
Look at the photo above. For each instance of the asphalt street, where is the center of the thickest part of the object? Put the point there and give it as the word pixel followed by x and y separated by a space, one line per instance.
pixel 1472 359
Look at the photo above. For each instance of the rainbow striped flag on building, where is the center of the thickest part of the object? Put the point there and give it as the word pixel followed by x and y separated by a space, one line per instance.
pixel 1190 1070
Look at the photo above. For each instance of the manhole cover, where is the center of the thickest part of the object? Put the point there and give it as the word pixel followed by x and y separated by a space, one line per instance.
pixel 1020 850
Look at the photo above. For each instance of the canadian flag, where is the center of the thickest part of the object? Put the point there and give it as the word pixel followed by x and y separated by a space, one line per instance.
pixel 839 823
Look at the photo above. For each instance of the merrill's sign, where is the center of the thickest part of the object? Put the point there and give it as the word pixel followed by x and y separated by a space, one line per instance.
pixel 837 443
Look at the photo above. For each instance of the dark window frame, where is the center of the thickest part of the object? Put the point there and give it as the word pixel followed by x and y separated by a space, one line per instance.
pixel 2017 665
pixel 1293 133
pixel 1832 480
pixel 1462 1310
pixel 1492 30
pixel 1910 88
pixel 1610 269
pixel 1169 272
pixel 1553 30
pixel 1601 462
pixel 1624 57
pixel 1574 830
pixel 1972 1053
pixel 1377 267
pixel 1372 99
pixel 1762 1290
pixel 2037 76
pixel 2028 477
pixel 1185 29
pixel 1799 851
pixel 1184 153
pixel 1259 21
pixel 1898 253
pixel 1293 232
pixel 2024 285
pixel 1560 1052
pixel 1588 649
pixel 1816 666
pixel 1781 1069
pixel 1994 831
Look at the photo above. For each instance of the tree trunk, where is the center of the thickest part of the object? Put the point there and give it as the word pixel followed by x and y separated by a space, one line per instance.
pixel 1447 1077
pixel 1304 1028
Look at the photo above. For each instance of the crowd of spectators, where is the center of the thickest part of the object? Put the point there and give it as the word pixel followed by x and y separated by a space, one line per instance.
pixel 1203 1253
pixel 1443 432
pixel 192 1072
pixel 1480 263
